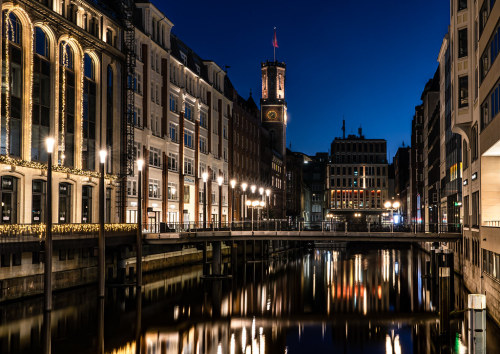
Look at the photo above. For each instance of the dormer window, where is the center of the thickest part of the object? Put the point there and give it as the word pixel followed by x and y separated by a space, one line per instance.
pixel 184 58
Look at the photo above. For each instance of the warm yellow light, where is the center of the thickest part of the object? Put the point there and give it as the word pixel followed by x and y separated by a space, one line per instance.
pixel 102 155
pixel 49 143
pixel 262 203
pixel 261 190
pixel 140 163
pixel 220 180
pixel 204 176
pixel 255 203
pixel 248 203
pixel 387 205
pixel 268 192
pixel 395 205
pixel 233 183
pixel 244 186
pixel 253 188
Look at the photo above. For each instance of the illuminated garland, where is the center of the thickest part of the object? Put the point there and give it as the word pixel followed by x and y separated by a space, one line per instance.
pixel 8 28
pixel 82 74
pixel 15 230
pixel 63 100
pixel 57 168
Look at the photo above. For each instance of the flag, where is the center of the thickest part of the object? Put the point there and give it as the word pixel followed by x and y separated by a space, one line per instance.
pixel 275 39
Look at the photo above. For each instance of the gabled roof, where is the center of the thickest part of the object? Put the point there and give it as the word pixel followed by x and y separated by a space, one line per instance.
pixel 193 59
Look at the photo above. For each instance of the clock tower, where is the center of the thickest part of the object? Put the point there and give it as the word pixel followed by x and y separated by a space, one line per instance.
pixel 273 105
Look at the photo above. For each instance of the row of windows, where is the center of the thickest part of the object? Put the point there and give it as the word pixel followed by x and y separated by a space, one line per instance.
pixel 358 147
pixel 359 158
pixel 490 53
pixel 361 183
pixel 357 171
pixel 355 199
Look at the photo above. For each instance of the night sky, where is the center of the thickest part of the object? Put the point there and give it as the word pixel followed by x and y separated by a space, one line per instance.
pixel 366 61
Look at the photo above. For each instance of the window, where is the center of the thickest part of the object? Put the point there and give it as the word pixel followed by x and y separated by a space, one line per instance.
pixel 173 161
pixel 154 188
pixel 89 114
pixel 38 201
pixel 110 108
pixel 465 155
pixel 491 106
pixel 462 5
pixel 41 97
pixel 188 166
pixel 475 209
pixel 186 194
pixel 64 203
pixel 172 132
pixel 462 43
pixel 188 139
pixel 203 119
pixel 154 157
pixel 173 103
pixel 463 91
pixel 474 144
pixel 203 145
pixel 172 191
pixel 86 204
pixel 188 111
pixel 131 188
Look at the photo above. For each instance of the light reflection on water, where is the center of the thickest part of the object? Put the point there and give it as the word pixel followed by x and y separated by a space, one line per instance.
pixel 330 300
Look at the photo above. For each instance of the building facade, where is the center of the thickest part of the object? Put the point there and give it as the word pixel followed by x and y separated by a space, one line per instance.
pixel 357 180
pixel 62 75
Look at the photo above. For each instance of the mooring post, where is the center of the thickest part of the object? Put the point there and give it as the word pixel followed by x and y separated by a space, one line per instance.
pixel 253 250
pixel 476 304
pixel 444 300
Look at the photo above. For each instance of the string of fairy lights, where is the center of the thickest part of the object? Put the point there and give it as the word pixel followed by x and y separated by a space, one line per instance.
pixel 9 35
pixel 65 62
pixel 38 230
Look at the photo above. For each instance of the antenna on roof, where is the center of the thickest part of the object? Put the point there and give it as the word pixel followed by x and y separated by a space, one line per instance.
pixel 343 128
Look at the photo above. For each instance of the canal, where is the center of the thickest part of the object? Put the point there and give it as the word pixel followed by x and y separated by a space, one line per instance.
pixel 326 300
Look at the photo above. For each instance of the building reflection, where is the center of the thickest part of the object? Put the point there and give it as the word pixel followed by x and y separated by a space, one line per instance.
pixel 349 300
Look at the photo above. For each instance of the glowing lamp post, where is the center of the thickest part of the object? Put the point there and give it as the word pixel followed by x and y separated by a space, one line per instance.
pixel 233 184
pixel 268 195
pixel 204 177
pixel 140 164
pixel 220 180
pixel 49 142
pixel 102 244
pixel 244 189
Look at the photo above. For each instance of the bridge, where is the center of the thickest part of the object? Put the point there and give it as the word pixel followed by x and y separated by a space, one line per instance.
pixel 268 230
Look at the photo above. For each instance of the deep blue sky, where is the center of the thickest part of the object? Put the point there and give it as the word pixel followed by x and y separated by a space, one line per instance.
pixel 367 61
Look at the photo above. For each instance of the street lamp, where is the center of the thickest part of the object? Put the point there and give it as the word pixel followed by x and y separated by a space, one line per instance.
pixel 244 186
pixel 49 142
pixel 102 244
pixel 391 206
pixel 253 188
pixel 220 180
pixel 140 164
pixel 233 184
pixel 204 176
pixel 268 194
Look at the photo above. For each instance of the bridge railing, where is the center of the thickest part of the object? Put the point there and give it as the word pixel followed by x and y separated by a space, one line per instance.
pixel 287 225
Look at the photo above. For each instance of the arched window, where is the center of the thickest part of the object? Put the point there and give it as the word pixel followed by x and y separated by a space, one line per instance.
pixel 64 203
pixel 12 86
pixel 38 194
pixel 66 105
pixel 86 204
pixel 41 96
pixel 89 114
pixel 109 114
pixel 8 198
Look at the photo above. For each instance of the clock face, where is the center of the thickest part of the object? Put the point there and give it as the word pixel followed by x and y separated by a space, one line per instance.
pixel 272 115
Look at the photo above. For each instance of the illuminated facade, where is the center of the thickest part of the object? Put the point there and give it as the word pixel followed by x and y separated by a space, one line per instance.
pixel 61 77
pixel 357 181
pixel 181 126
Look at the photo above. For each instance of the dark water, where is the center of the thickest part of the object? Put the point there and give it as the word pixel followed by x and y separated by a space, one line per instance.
pixel 327 301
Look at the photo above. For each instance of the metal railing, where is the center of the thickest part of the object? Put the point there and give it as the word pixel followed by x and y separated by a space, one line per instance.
pixel 286 225
pixel 492 223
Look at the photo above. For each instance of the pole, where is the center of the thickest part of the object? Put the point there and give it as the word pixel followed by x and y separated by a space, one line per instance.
pixel 102 245
pixel 477 323
pixel 220 206
pixel 232 207
pixel 48 238
pixel 204 205
pixel 139 232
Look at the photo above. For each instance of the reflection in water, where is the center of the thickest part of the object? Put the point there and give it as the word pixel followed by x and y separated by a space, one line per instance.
pixel 329 300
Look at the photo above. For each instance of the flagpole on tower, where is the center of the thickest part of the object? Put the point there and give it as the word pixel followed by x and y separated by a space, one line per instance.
pixel 275 43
